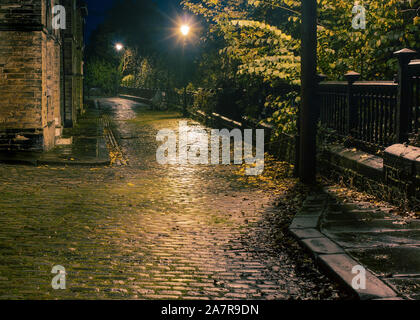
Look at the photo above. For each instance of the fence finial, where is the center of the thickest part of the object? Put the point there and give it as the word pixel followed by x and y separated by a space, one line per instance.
pixel 352 76
pixel 414 66
pixel 405 55
pixel 321 77
pixel 403 125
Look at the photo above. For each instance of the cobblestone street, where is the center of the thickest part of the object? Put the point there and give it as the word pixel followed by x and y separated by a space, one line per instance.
pixel 143 230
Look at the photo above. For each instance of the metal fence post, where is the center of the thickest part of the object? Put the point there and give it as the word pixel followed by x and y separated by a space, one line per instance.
pixel 351 110
pixel 184 108
pixel 404 94
pixel 320 78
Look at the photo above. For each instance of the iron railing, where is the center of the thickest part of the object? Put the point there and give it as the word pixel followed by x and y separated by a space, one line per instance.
pixel 374 114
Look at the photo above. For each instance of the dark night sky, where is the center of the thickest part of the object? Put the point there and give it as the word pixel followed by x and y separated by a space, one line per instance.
pixel 97 9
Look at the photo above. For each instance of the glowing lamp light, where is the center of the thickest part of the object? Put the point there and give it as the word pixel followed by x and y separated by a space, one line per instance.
pixel 185 30
pixel 119 46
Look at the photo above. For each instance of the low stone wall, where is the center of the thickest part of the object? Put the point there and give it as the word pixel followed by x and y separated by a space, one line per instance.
pixel 21 140
pixel 402 172
pixel 147 94
pixel 394 177
pixel 353 168
pixel 281 146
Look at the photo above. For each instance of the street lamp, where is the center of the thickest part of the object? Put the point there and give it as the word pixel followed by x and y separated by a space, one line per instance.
pixel 119 47
pixel 185 30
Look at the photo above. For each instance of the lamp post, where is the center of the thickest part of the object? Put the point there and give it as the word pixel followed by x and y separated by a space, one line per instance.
pixel 185 30
pixel 118 47
pixel 308 110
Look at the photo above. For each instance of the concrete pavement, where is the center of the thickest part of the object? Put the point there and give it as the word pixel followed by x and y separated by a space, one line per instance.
pixel 83 145
pixel 346 234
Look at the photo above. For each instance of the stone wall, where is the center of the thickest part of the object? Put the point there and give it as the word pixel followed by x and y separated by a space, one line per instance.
pixel 353 168
pixel 393 176
pixel 402 172
pixel 20 79
pixel 22 14
pixel 51 88
pixel 281 146
pixel 31 74
pixel 21 89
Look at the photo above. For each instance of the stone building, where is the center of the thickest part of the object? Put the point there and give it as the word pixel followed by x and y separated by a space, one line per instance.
pixel 41 72
pixel 73 61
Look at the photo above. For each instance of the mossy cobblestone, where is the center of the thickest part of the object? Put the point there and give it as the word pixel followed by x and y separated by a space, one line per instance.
pixel 141 231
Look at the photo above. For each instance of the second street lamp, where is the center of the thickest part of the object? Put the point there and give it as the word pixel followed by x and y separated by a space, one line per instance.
pixel 119 47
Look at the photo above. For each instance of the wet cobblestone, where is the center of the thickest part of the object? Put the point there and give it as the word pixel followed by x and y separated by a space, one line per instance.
pixel 143 231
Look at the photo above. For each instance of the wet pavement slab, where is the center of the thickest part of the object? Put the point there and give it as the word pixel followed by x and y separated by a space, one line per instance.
pixel 86 144
pixel 91 151
pixel 375 239
pixel 386 244
pixel 399 261
pixel 341 266
pixel 369 226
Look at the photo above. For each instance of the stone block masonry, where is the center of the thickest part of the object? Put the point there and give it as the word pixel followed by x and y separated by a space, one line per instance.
pixel 32 75
pixel 20 88
pixel 402 170
pixel 394 177
pixel 21 14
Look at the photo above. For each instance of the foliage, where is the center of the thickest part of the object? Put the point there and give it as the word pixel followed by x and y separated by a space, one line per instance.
pixel 204 99
pixel 146 60
pixel 102 74
pixel 128 81
pixel 285 110
pixel 249 48
pixel 253 56
pixel 144 71
pixel 260 49
pixel 391 26
pixel 259 40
